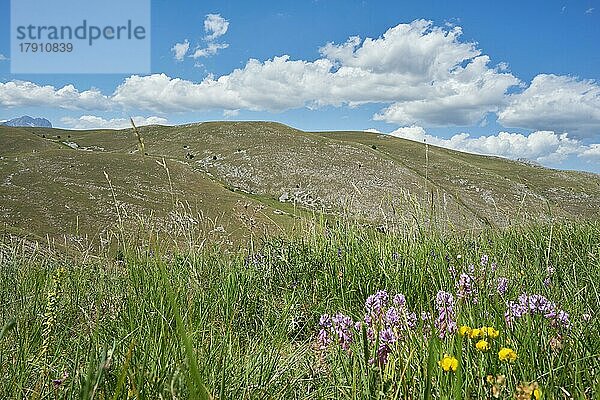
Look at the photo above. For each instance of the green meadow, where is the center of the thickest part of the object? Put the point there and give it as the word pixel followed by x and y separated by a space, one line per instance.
pixel 141 320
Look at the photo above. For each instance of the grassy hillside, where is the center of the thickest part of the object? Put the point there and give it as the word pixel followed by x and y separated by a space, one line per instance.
pixel 246 177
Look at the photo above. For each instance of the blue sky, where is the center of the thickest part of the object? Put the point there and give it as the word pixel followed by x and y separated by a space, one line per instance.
pixel 515 79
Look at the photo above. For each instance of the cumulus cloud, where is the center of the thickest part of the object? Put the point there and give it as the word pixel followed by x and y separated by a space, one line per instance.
pixel 95 122
pixel 555 102
pixel 180 50
pixel 425 74
pixel 22 93
pixel 215 26
pixel 210 50
pixel 540 146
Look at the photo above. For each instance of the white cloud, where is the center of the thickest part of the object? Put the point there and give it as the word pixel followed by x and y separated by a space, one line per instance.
pixel 180 50
pixel 210 50
pixel 215 26
pixel 589 10
pixel 540 146
pixel 24 94
pixel 3 57
pixel 424 72
pixel 231 113
pixel 95 122
pixel 555 102
pixel 372 130
pixel 592 153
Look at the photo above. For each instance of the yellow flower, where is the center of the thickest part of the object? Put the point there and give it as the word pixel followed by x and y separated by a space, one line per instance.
pixel 537 393
pixel 507 354
pixel 448 363
pixel 482 345
pixel 475 333
pixel 464 330
pixel 491 332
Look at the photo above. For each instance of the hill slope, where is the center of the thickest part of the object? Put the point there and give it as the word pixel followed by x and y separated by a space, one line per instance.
pixel 254 174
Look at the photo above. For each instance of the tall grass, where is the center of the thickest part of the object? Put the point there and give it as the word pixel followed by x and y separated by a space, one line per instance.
pixel 157 323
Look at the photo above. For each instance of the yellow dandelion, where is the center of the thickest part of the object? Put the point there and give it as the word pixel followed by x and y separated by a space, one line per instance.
pixel 507 354
pixel 482 345
pixel 537 393
pixel 448 363
pixel 464 330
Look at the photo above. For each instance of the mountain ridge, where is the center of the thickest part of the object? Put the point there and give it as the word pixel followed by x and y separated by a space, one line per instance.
pixel 27 121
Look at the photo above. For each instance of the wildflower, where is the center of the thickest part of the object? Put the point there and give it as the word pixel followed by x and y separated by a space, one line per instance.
pixel 386 339
pixel 547 282
pixel 484 260
pixel 507 354
pixel 493 267
pixel 475 333
pixel 445 323
pixel 464 330
pixel 482 345
pixel 448 363
pixel 536 304
pixel 490 332
pixel 399 300
pixel 502 286
pixel 376 302
pixel 340 327
pixel 465 287
pixel 537 393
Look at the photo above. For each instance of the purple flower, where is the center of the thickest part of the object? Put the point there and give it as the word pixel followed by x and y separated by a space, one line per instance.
pixel 547 282
pixel 493 267
pixel 386 340
pixel 391 318
pixel 502 286
pixel 465 287
pixel 339 327
pixel 536 304
pixel 445 323
pixel 323 339
pixel 325 321
pixel 387 336
pixel 452 270
pixel 57 382
pixel 343 327
pixel 376 302
pixel 484 260
pixel 399 300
